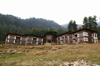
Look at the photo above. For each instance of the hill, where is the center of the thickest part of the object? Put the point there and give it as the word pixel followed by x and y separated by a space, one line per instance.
pixel 36 26
pixel 28 23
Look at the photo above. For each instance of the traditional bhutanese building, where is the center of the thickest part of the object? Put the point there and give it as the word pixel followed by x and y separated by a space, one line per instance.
pixel 83 35
pixel 14 38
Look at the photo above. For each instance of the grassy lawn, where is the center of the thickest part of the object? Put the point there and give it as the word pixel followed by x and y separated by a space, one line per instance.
pixel 11 55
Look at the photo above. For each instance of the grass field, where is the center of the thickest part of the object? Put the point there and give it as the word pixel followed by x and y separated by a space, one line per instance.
pixel 54 55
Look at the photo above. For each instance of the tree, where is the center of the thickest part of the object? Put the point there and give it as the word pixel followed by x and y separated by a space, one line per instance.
pixel 51 29
pixel 72 26
pixel 60 31
pixel 85 22
pixel 26 31
pixel 98 32
pixel 90 22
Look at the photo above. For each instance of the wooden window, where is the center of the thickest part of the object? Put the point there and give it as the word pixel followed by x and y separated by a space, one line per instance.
pixel 11 41
pixel 66 40
pixel 22 42
pixel 73 41
pixel 58 38
pixel 73 36
pixel 85 33
pixel 85 39
pixel 29 42
pixel 49 37
pixel 11 37
pixel 92 40
pixel 65 36
pixel 78 39
pixel 70 36
pixel 81 39
pixel 61 42
pixel 77 35
pixel 23 38
pixel 30 38
pixel 92 35
pixel 40 39
pixel 95 35
pixel 39 43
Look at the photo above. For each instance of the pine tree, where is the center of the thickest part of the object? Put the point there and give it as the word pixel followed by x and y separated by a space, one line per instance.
pixel 72 26
pixel 90 22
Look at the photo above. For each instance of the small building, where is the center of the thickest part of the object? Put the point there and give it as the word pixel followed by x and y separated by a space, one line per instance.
pixel 50 37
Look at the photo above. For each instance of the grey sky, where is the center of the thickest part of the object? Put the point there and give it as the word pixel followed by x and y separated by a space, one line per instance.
pixel 60 11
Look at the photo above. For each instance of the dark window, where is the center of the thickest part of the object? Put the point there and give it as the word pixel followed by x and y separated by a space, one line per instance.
pixel 11 41
pixel 22 42
pixel 65 36
pixel 29 42
pixel 66 41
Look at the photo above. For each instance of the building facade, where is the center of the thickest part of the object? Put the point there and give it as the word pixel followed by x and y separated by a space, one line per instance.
pixel 14 38
pixel 83 35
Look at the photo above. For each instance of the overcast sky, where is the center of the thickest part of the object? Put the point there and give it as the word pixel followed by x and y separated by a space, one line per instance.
pixel 60 11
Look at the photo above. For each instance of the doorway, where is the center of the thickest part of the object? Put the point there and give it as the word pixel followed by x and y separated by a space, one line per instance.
pixel 49 41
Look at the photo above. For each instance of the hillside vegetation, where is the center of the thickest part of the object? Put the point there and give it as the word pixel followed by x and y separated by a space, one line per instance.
pixel 28 23
pixel 10 23
pixel 53 55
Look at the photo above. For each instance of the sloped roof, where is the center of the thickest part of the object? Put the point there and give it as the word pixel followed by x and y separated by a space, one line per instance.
pixel 8 33
pixel 84 29
pixel 51 33
pixel 77 31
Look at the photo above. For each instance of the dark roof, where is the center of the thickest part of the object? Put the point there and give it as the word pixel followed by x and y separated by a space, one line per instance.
pixel 34 35
pixel 63 34
pixel 12 33
pixel 84 29
pixel 8 33
pixel 51 33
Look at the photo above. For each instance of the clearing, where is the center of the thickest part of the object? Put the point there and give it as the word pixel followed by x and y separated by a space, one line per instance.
pixel 53 55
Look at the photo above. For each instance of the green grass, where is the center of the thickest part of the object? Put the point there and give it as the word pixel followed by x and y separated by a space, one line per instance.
pixel 44 55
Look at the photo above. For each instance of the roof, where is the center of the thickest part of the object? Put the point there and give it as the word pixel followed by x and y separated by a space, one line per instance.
pixel 77 31
pixel 8 33
pixel 84 29
pixel 63 34
pixel 12 33
pixel 51 33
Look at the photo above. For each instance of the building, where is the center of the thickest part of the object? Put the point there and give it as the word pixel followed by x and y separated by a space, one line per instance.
pixel 50 37
pixel 83 35
pixel 14 38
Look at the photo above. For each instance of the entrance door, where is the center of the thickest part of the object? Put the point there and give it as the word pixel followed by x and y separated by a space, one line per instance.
pixel 49 41
pixel 17 40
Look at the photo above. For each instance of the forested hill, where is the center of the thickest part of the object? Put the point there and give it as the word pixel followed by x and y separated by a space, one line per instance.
pixel 34 26
pixel 28 23
pixel 39 23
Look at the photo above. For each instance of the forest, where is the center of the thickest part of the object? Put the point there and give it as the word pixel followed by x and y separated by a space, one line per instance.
pixel 34 26
pixel 39 26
